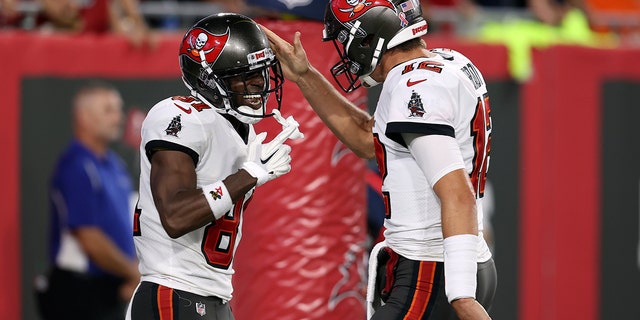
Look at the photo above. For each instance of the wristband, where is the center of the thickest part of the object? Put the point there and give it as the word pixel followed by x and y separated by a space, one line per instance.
pixel 256 171
pixel 460 266
pixel 218 197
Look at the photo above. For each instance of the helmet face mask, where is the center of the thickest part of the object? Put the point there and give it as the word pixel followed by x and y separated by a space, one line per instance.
pixel 345 70
pixel 363 30
pixel 247 93
pixel 227 63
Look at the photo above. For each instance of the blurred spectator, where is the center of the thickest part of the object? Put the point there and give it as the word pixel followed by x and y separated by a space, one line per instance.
pixel 620 16
pixel 464 16
pixel 236 6
pixel 9 15
pixel 518 24
pixel 443 15
pixel 79 16
pixel 94 269
pixel 175 20
pixel 96 16
pixel 552 12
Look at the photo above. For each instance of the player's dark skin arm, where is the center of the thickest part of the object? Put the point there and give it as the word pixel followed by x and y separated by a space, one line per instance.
pixel 181 205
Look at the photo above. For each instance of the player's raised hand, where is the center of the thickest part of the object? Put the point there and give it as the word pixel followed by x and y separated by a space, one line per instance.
pixel 266 164
pixel 293 58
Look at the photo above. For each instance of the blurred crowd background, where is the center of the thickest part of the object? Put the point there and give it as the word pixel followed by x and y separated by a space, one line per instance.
pixel 518 24
pixel 136 18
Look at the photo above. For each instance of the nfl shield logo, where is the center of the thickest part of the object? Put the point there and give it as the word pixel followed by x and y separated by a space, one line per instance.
pixel 200 309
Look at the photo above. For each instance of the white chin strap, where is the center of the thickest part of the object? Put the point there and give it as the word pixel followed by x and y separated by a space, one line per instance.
pixel 246 110
pixel 368 82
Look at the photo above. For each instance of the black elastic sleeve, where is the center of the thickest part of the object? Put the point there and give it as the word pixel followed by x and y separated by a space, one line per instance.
pixel 395 130
pixel 158 145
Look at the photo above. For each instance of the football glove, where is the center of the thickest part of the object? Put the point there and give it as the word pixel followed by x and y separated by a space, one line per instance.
pixel 290 128
pixel 266 162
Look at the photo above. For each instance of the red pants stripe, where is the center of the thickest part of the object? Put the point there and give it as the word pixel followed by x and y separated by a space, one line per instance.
pixel 165 303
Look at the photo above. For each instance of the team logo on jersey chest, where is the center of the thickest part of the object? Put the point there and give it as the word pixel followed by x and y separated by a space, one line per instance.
pixel 174 127
pixel 416 109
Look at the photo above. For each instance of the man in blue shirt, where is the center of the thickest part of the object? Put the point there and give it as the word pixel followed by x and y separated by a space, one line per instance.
pixel 94 269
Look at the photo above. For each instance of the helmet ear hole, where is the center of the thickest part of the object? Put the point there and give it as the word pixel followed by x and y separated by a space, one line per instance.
pixel 343 35
pixel 210 92
pixel 366 42
pixel 216 100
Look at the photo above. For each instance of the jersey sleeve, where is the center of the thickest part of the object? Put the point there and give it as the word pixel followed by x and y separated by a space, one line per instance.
pixel 436 155
pixel 173 125
pixel 425 108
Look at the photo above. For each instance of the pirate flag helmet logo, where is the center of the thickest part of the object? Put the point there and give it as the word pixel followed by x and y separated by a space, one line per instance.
pixel 351 9
pixel 202 46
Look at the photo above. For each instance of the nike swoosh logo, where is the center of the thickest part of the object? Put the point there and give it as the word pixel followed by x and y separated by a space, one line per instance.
pixel 412 83
pixel 187 111
pixel 267 159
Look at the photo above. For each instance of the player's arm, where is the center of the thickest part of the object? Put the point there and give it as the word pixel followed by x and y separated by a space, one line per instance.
pixel 128 21
pixel 458 204
pixel 460 230
pixel 181 204
pixel 349 123
pixel 441 162
pixel 459 218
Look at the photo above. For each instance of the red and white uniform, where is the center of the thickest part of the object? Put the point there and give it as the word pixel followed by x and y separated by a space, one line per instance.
pixel 201 261
pixel 442 95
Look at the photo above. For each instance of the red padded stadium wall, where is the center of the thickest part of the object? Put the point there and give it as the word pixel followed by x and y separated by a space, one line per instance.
pixel 302 249
pixel 561 180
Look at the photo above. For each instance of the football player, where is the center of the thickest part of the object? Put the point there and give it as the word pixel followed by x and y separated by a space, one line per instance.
pixel 431 137
pixel 200 162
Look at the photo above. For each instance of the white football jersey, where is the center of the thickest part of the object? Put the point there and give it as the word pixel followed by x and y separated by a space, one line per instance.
pixel 201 261
pixel 442 95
